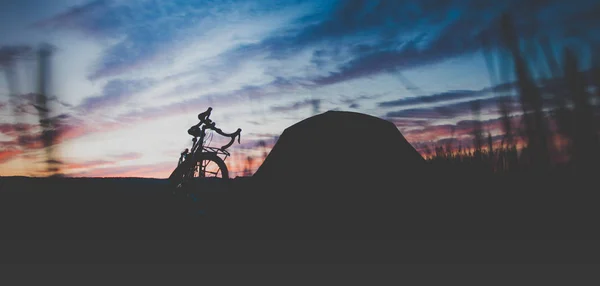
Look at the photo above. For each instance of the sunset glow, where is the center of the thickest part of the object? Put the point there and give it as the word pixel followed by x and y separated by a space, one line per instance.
pixel 128 78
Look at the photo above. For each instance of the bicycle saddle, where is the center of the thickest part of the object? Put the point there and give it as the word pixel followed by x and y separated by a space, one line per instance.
pixel 194 131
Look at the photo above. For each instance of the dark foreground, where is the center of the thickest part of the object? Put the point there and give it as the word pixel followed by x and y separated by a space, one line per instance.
pixel 548 207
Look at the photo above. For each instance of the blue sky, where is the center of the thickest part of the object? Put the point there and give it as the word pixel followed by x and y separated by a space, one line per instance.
pixel 131 76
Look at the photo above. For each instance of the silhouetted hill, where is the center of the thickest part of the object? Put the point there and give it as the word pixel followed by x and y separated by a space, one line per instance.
pixel 452 208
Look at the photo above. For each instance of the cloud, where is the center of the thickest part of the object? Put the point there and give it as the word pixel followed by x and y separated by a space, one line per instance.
pixel 453 110
pixel 145 30
pixel 297 105
pixel 403 122
pixel 165 110
pixel 142 27
pixel 127 156
pixel 87 164
pixel 419 113
pixel 377 36
pixel 228 98
pixel 25 136
pixel 30 141
pixel 431 99
pixel 9 154
pixel 429 133
pixel 75 128
pixel 353 101
pixel 337 20
pixel 66 129
pixel 380 36
pixel 444 105
pixel 134 24
pixel 77 17
pixel 462 130
pixel 364 38
pixel 9 54
pixel 455 39
pixel 11 129
pixel 159 170
pixel 115 92
pixel 445 98
pixel 329 43
pixel 26 103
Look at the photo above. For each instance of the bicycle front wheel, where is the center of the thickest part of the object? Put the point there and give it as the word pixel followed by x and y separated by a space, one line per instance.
pixel 210 166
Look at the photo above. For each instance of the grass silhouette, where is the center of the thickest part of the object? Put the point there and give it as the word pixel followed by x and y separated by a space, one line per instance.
pixel 572 146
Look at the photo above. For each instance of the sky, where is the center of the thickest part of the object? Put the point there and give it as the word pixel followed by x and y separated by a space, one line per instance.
pixel 128 78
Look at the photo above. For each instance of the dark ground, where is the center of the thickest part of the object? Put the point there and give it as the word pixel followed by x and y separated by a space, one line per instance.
pixel 548 207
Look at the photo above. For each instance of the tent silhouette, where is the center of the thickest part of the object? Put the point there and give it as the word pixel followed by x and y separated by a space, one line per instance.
pixel 341 147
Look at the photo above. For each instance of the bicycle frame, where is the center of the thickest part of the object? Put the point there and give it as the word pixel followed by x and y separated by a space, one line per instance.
pixel 187 164
pixel 199 145
pixel 198 139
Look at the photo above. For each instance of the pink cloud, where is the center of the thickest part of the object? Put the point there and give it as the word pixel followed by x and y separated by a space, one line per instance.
pixel 160 170
pixel 74 129
pixel 86 165
pixel 12 128
pixel 8 154
pixel 127 156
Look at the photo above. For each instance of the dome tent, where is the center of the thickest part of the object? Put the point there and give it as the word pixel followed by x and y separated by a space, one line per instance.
pixel 338 147
pixel 336 172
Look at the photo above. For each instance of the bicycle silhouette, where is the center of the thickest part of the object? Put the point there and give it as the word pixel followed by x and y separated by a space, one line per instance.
pixel 203 161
